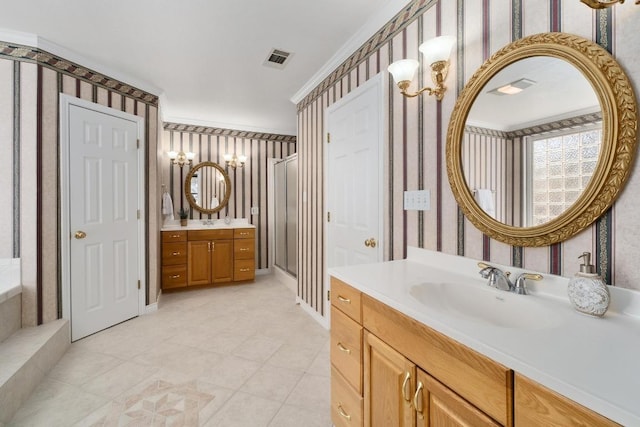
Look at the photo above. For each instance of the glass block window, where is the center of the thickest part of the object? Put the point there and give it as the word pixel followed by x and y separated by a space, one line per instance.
pixel 561 166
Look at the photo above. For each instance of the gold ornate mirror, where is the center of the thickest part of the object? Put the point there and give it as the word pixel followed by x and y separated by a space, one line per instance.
pixel 541 139
pixel 207 187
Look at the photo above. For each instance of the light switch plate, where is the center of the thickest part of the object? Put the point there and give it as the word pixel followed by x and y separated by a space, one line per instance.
pixel 255 210
pixel 419 200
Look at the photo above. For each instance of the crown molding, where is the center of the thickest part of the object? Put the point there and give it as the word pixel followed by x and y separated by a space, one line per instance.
pixel 356 41
pixel 229 126
pixel 33 40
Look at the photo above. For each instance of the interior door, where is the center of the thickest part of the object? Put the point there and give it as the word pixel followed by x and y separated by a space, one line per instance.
pixel 103 220
pixel 354 177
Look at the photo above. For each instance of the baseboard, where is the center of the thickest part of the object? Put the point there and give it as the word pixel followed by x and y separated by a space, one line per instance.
pixel 151 308
pixel 263 271
pixel 288 280
pixel 323 321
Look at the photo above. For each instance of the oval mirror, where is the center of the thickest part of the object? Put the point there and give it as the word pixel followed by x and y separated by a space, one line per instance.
pixel 541 139
pixel 207 187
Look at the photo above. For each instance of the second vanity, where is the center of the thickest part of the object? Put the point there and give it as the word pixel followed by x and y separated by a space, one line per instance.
pixel 207 254
pixel 425 341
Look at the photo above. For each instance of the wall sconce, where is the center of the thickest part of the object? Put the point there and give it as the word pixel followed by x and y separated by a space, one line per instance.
pixel 233 161
pixel 601 4
pixel 180 158
pixel 436 53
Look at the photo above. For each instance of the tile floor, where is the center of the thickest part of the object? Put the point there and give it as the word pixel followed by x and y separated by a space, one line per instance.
pixel 242 355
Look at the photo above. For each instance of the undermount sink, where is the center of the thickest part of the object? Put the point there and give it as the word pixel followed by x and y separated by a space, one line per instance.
pixel 481 303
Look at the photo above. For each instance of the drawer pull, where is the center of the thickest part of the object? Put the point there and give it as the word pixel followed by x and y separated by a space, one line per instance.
pixel 244 270
pixel 175 276
pixel 244 234
pixel 406 393
pixel 175 253
pixel 417 400
pixel 343 348
pixel 244 249
pixel 344 300
pixel 175 236
pixel 342 413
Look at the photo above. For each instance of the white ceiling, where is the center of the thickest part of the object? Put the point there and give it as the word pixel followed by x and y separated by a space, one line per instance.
pixel 204 57
pixel 560 91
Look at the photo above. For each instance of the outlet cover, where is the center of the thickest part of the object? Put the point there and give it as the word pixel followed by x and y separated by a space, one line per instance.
pixel 255 210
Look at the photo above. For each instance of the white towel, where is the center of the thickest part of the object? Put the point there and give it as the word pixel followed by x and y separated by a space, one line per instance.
pixel 484 197
pixel 167 205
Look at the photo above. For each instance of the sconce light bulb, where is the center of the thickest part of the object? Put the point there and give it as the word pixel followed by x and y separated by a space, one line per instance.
pixel 190 155
pixel 403 70
pixel 172 155
pixel 227 157
pixel 437 49
pixel 242 158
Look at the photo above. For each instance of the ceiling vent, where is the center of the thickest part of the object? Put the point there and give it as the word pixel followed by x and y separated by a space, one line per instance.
pixel 277 59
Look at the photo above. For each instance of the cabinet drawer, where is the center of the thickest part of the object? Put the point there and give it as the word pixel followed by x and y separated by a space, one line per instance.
pixel 210 234
pixel 244 269
pixel 174 253
pixel 174 236
pixel 174 276
pixel 537 405
pixel 244 249
pixel 244 233
pixel 346 298
pixel 346 348
pixel 346 405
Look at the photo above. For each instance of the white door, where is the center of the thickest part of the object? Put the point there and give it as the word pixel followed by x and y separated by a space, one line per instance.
pixel 103 220
pixel 354 174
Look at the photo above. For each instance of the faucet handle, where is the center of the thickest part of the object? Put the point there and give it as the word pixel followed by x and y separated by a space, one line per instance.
pixel 520 287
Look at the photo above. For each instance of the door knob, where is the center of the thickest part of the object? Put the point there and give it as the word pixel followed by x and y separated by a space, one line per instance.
pixel 370 243
pixel 80 235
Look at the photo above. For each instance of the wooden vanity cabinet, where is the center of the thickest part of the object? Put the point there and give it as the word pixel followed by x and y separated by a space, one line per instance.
pixel 411 374
pixel 208 256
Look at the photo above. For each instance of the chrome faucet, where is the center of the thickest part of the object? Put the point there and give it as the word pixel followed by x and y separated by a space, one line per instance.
pixel 500 279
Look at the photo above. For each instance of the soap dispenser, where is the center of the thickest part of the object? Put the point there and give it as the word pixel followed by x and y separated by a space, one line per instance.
pixel 587 291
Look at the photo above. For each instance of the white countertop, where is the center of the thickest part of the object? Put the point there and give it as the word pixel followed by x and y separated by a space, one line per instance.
pixel 215 224
pixel 593 361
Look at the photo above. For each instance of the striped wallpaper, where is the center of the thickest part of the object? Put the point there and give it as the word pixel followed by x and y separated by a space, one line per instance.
pixel 416 135
pixel 249 183
pixel 30 83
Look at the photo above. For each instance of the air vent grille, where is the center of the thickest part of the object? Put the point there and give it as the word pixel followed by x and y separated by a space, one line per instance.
pixel 277 58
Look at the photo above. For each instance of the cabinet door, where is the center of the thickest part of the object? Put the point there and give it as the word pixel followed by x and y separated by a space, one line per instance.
pixel 438 406
pixel 222 261
pixel 199 263
pixel 389 380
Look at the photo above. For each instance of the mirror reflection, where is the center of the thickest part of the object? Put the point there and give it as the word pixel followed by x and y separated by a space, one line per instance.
pixel 207 187
pixel 532 141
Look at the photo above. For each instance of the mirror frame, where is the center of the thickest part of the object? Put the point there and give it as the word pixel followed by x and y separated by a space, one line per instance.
pixel 192 201
pixel 619 137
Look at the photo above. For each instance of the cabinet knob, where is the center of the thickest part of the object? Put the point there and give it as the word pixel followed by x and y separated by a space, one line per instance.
pixel 417 400
pixel 406 384
pixel 343 414
pixel 244 270
pixel 175 276
pixel 343 348
pixel 344 300
pixel 175 253
pixel 244 249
